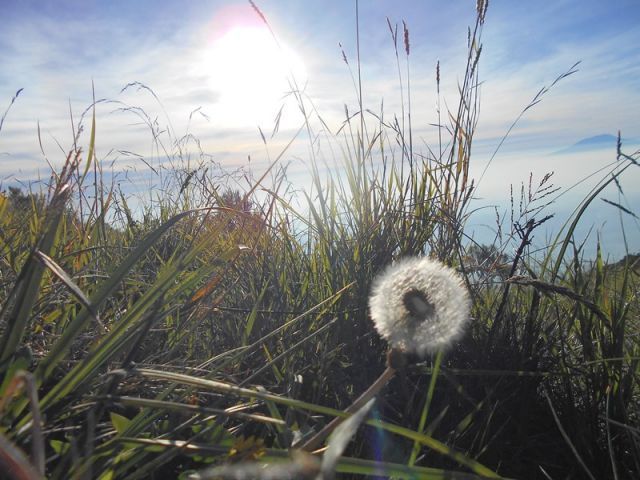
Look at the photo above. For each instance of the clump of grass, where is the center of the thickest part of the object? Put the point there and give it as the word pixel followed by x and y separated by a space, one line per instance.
pixel 215 328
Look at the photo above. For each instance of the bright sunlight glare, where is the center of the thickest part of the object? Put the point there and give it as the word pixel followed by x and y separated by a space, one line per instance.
pixel 250 72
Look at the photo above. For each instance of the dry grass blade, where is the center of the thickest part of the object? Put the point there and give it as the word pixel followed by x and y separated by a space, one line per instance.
pixel 358 405
pixel 301 467
pixel 565 291
pixel 340 439
pixel 59 272
pixel 37 439
pixel 15 463
pixel 287 352
pixel 229 389
pixel 185 407
pixel 620 207
pixel 568 440
pixel 538 97
pixel 4 115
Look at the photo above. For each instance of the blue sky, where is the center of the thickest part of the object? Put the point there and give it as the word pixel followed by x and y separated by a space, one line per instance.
pixel 214 56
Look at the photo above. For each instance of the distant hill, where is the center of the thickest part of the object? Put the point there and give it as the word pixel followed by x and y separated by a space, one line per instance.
pixel 597 142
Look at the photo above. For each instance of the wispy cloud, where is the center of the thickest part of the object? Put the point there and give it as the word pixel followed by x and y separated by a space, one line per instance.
pixel 56 49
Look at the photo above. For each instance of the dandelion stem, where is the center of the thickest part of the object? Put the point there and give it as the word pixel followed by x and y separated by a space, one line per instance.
pixel 371 392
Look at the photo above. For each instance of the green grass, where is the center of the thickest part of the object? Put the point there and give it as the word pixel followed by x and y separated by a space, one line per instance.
pixel 218 328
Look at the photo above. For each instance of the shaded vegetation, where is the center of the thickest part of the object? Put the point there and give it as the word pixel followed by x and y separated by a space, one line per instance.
pixel 222 327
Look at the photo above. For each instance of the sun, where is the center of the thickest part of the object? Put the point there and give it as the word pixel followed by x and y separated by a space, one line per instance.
pixel 250 72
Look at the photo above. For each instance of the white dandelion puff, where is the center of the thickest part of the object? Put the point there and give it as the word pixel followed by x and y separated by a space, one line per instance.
pixel 419 305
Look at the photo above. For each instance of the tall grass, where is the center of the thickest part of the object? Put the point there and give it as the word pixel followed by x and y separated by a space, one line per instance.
pixel 220 328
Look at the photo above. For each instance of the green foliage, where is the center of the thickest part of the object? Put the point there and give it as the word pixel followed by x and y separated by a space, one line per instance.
pixel 216 328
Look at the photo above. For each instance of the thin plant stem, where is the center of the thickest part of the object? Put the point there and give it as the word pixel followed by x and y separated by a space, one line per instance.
pixel 371 392
pixel 425 409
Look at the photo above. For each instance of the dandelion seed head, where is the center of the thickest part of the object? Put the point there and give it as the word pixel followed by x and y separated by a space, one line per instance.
pixel 419 305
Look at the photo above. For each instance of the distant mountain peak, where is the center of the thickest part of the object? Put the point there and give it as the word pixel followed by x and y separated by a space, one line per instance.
pixel 603 139
pixel 595 142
